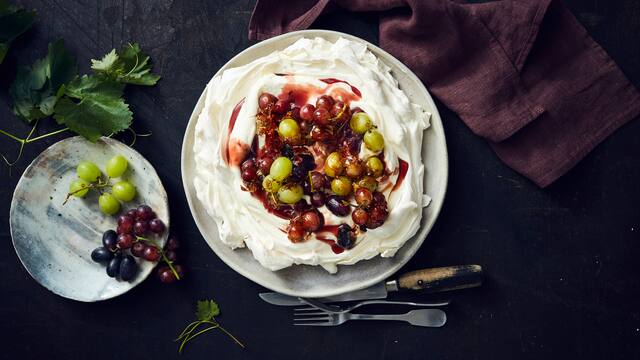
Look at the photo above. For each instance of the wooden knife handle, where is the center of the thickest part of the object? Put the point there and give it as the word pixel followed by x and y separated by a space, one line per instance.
pixel 442 279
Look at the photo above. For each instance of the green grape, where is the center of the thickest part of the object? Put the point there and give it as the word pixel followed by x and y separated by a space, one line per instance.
pixel 368 182
pixel 116 166
pixel 341 186
pixel 375 167
pixel 281 168
pixel 289 129
pixel 88 171
pixel 333 164
pixel 123 191
pixel 290 193
pixel 108 204
pixel 76 185
pixel 373 140
pixel 360 123
pixel 270 184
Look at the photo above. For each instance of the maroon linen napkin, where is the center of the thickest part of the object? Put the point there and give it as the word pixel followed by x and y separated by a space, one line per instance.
pixel 524 74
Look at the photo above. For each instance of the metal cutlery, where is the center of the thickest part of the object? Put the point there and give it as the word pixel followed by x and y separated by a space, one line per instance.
pixel 423 317
pixel 427 280
pixel 315 305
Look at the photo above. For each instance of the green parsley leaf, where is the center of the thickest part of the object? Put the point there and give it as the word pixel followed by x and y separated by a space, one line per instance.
pixel 130 66
pixel 101 110
pixel 35 90
pixel 207 310
pixel 13 23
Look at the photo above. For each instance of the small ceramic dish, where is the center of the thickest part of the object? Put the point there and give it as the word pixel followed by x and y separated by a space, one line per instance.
pixel 54 241
pixel 314 281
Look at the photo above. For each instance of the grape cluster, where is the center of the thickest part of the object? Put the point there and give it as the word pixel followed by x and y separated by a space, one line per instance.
pixel 314 150
pixel 90 178
pixel 131 239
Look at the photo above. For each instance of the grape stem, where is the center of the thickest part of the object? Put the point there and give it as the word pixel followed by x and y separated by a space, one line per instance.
pixel 164 257
pixel 93 186
pixel 187 333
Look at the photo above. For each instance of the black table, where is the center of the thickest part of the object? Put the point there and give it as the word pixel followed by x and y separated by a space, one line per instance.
pixel 561 263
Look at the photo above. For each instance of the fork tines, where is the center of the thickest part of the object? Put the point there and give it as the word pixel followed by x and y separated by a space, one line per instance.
pixel 306 318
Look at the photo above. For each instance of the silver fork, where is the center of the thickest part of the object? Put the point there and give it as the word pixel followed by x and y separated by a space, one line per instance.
pixel 423 317
pixel 317 305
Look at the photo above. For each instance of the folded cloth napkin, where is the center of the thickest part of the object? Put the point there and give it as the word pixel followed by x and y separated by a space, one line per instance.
pixel 524 74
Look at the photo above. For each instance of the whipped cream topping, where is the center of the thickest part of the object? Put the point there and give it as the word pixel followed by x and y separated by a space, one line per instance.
pixel 220 144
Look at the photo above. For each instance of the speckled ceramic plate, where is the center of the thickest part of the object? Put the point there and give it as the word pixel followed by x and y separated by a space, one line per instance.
pixel 313 281
pixel 54 241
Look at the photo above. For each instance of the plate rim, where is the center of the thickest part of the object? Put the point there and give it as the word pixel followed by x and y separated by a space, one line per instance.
pixel 422 233
pixel 13 205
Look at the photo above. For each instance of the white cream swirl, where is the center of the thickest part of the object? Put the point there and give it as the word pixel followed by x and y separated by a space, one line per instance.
pixel 241 218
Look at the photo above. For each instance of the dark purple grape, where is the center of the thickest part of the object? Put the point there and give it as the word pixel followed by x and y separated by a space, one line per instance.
pixel 144 212
pixel 295 113
pixel 298 174
pixel 317 199
pixel 140 228
pixel 172 243
pixel 172 255
pixel 301 206
pixel 128 268
pixel 346 237
pixel 318 181
pixel 101 255
pixel 138 248
pixel 110 240
pixel 125 241
pixel 114 265
pixel 337 205
pixel 287 151
pixel 249 175
pixel 156 226
pixel 132 213
pixel 180 270
pixel 281 106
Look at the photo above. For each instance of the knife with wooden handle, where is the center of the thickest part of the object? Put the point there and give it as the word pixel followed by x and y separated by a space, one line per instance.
pixel 426 280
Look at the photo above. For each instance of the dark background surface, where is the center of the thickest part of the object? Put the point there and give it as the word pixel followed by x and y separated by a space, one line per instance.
pixel 561 263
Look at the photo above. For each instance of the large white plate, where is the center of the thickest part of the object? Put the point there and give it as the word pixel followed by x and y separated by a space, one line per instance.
pixel 313 281
pixel 54 242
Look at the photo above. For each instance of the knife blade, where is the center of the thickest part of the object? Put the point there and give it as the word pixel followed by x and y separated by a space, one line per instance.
pixel 428 280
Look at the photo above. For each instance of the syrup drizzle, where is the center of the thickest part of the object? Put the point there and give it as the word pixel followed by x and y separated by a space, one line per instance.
pixel 333 81
pixel 238 146
pixel 404 167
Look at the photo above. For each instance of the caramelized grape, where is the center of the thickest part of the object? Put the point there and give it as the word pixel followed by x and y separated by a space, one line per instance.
pixel 375 167
pixel 373 140
pixel 311 220
pixel 363 196
pixel 353 167
pixel 318 180
pixel 324 102
pixel 338 205
pixel 269 184
pixel 317 199
pixel 281 106
pixel 368 182
pixel 321 116
pixel 360 123
pixel 360 216
pixel 318 133
pixel 333 164
pixel 290 193
pixel 346 237
pixel 306 112
pixel 265 100
pixel 295 233
pixel 289 129
pixel 341 186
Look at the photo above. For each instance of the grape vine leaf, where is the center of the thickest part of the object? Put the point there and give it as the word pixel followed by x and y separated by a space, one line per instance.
pixel 130 66
pixel 36 89
pixel 13 23
pixel 93 107
pixel 207 310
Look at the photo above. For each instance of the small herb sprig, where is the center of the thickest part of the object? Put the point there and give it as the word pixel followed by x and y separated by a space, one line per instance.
pixel 206 312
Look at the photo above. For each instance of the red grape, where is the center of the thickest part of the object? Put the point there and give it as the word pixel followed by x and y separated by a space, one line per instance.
pixel 318 181
pixel 172 243
pixel 265 100
pixel 125 241
pixel 132 213
pixel 138 248
pixel 140 228
pixel 295 113
pixel 363 197
pixel 156 226
pixel 295 233
pixel 166 275
pixel 319 134
pixel 264 163
pixel 324 102
pixel 321 116
pixel 180 270
pixel 248 164
pixel 151 253
pixel 360 216
pixel 311 220
pixel 281 106
pixel 144 212
pixel 249 175
pixel 306 112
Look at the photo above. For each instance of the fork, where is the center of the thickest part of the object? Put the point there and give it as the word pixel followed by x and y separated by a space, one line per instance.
pixel 317 305
pixel 423 317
